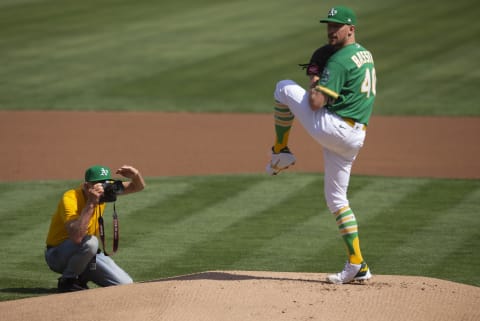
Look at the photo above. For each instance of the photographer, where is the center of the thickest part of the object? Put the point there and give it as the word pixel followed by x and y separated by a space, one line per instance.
pixel 72 243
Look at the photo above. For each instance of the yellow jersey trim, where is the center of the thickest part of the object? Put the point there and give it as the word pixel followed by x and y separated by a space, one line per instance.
pixel 327 91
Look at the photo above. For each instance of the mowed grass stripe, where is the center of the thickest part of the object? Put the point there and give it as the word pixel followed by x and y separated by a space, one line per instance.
pixel 26 217
pixel 22 195
pixel 150 201
pixel 321 248
pixel 292 247
pixel 202 192
pixel 417 228
pixel 453 236
pixel 171 241
pixel 31 203
pixel 142 89
pixel 227 248
pixel 432 67
pixel 48 59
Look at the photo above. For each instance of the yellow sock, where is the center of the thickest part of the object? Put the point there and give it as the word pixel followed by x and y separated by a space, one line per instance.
pixel 356 256
pixel 282 144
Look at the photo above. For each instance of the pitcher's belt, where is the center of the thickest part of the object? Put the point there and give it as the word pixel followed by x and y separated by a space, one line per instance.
pixel 352 123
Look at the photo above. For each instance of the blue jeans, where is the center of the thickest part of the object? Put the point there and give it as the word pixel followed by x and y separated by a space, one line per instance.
pixel 73 260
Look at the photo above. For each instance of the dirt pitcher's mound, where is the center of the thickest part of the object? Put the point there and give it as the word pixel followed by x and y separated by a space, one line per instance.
pixel 259 296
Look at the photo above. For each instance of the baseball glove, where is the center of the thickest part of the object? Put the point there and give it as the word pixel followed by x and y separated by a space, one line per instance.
pixel 318 61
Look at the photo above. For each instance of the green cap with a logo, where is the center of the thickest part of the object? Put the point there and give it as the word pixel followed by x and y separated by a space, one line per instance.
pixel 341 15
pixel 97 173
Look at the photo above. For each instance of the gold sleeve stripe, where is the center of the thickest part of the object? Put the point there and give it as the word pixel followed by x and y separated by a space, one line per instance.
pixel 327 91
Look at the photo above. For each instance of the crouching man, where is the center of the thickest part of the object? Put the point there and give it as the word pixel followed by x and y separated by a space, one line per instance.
pixel 72 243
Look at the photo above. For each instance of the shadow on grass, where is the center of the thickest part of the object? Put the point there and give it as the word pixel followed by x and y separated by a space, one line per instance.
pixel 29 291
pixel 226 276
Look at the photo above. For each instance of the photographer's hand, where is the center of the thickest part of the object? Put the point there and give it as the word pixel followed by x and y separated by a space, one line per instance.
pixel 127 171
pixel 136 182
pixel 94 192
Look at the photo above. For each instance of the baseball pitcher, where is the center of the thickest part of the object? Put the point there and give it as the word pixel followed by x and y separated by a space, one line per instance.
pixel 335 110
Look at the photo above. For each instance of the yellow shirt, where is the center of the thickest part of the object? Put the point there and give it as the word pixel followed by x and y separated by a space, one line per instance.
pixel 69 208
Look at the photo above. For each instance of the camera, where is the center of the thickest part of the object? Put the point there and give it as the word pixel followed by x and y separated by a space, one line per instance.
pixel 110 191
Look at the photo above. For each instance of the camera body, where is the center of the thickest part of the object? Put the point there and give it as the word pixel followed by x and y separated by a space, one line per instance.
pixel 111 189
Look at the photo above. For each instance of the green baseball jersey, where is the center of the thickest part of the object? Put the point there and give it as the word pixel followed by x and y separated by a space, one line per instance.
pixel 349 80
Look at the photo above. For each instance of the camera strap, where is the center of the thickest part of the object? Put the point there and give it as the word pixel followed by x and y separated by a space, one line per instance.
pixel 116 231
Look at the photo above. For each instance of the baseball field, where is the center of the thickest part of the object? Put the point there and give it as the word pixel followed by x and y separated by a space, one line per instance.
pixel 182 90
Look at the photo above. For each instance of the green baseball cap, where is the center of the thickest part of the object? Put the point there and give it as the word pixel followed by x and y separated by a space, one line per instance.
pixel 341 15
pixel 97 173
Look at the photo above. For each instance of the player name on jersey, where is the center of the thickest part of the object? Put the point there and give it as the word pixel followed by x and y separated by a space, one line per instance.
pixel 362 57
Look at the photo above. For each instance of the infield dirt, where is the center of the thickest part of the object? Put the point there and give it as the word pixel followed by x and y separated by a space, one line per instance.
pixel 50 145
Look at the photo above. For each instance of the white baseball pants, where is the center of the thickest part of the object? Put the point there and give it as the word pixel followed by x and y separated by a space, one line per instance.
pixel 340 141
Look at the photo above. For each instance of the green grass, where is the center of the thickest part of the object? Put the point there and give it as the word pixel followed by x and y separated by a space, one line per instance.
pixel 225 56
pixel 179 225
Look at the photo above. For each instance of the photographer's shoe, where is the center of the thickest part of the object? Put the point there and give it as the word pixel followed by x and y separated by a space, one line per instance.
pixel 82 281
pixel 70 285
